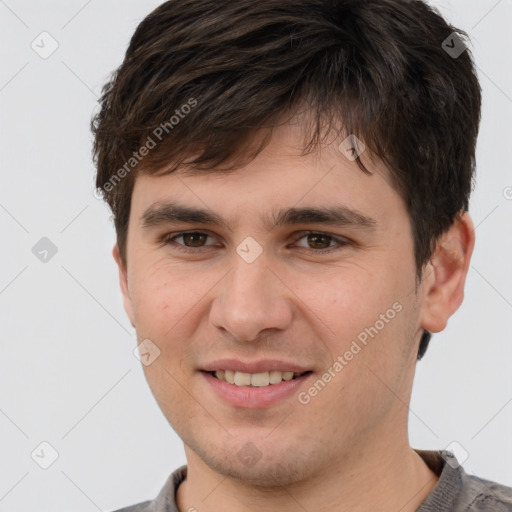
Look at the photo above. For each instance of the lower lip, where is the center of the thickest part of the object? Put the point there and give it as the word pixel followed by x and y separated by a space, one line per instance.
pixel 255 397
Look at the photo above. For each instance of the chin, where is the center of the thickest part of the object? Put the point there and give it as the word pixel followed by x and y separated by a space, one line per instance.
pixel 267 470
pixel 269 475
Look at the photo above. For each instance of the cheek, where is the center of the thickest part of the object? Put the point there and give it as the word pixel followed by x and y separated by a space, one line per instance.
pixel 370 318
pixel 350 300
pixel 163 296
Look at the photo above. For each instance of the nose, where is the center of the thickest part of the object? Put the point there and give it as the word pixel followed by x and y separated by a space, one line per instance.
pixel 251 299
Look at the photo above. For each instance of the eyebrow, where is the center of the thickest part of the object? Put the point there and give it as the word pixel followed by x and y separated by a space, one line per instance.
pixel 164 213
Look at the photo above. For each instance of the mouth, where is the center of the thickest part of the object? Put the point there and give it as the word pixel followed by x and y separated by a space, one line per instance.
pixel 256 380
pixel 255 384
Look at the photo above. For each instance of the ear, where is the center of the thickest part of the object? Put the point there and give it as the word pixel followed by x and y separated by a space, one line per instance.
pixel 445 275
pixel 123 281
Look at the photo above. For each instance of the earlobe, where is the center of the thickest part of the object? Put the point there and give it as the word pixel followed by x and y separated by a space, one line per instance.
pixel 123 282
pixel 445 275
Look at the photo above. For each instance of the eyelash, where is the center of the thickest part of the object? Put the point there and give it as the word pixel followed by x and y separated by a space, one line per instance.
pixel 170 240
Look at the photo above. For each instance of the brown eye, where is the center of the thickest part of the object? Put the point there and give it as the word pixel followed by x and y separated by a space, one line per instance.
pixel 194 239
pixel 320 243
pixel 190 240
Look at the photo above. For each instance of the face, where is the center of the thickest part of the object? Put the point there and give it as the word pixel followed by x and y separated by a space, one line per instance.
pixel 258 289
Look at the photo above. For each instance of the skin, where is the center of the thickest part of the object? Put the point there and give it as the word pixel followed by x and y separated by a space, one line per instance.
pixel 348 448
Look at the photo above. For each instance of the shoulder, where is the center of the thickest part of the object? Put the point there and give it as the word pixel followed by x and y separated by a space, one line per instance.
pixel 482 495
pixel 145 506
pixel 458 491
pixel 166 499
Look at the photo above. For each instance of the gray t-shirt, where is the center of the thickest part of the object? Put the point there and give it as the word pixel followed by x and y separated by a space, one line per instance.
pixel 455 491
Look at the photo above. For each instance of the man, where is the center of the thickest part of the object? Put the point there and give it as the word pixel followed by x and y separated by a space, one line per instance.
pixel 290 181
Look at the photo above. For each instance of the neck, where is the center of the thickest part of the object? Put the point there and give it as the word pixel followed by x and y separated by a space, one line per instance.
pixel 385 476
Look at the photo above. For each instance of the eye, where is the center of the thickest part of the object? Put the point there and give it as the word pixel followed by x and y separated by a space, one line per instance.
pixel 191 240
pixel 316 242
pixel 321 242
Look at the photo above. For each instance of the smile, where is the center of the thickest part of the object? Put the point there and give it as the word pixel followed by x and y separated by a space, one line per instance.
pixel 260 379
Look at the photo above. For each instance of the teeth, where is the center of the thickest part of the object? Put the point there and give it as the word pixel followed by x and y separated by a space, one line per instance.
pixel 260 379
pixel 242 379
pixel 275 377
pixel 254 379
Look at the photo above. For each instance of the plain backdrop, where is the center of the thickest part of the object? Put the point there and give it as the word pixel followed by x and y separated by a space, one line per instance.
pixel 68 375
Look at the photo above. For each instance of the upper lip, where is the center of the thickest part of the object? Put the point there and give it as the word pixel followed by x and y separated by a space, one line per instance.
pixel 263 365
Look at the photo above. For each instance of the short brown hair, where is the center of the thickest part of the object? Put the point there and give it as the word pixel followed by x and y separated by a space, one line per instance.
pixel 208 75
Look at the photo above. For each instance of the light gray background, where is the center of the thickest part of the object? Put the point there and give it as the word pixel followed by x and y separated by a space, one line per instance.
pixel 68 375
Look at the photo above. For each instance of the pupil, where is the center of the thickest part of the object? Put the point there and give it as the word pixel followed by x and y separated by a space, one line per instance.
pixel 316 237
pixel 188 236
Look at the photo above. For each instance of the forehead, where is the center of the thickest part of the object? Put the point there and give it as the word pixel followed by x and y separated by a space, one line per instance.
pixel 280 178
